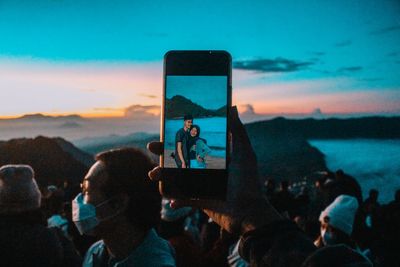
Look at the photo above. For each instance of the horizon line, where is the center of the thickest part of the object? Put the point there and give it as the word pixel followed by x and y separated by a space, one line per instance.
pixel 117 115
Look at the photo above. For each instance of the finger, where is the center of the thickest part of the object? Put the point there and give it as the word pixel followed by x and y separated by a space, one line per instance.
pixel 241 146
pixel 155 174
pixel 243 166
pixel 156 147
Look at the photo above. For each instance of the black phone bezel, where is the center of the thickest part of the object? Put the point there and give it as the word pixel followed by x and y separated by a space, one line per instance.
pixel 196 183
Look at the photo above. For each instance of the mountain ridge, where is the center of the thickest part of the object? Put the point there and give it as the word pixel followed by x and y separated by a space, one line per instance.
pixel 280 144
pixel 178 106
pixel 42 117
pixel 333 128
pixel 54 160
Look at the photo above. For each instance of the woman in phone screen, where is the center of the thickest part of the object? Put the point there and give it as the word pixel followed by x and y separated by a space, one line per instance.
pixel 198 149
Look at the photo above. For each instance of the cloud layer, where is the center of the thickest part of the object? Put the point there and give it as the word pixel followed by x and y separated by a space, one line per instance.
pixel 278 64
pixel 385 30
pixel 350 69
pixel 143 112
pixel 343 43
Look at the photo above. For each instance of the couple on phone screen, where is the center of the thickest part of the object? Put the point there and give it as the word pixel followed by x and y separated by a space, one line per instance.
pixel 190 149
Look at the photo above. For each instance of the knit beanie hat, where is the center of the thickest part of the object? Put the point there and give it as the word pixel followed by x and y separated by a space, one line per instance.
pixel 341 213
pixel 169 214
pixel 19 191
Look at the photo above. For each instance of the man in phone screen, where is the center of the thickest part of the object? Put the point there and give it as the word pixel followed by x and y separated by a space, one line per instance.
pixel 181 142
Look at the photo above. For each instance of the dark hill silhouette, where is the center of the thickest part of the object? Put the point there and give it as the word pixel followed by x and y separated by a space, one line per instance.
pixel 283 154
pixel 178 106
pixel 53 159
pixel 41 117
pixel 98 144
pixel 283 151
pixel 37 116
pixel 368 127
pixel 75 152
pixel 280 144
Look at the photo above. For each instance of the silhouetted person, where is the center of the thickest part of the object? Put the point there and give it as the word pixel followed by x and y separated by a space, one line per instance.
pixel 386 230
pixel 396 197
pixel 53 204
pixel 301 203
pixel 172 228
pixel 344 184
pixel 121 205
pixel 336 256
pixel 25 239
pixel 371 203
pixel 284 199
pixel 69 193
pixel 270 187
pixel 318 200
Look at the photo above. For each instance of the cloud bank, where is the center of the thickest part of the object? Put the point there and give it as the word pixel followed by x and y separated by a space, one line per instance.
pixel 278 64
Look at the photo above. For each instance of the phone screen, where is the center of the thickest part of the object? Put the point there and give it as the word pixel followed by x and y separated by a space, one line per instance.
pixel 195 125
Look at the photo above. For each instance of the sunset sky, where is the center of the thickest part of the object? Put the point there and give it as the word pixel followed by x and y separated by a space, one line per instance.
pixel 104 58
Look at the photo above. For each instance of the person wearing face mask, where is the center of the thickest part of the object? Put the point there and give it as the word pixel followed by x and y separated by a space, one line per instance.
pixel 121 206
pixel 337 222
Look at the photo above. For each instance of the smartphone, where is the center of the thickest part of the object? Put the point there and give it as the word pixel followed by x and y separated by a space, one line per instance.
pixel 194 124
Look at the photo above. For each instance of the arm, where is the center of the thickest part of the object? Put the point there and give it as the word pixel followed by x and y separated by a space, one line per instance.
pixel 180 154
pixel 202 150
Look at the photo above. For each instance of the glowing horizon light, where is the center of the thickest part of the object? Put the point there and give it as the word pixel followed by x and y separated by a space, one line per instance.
pixel 83 88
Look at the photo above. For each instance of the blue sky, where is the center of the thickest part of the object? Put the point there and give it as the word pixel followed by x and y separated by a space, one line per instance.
pixel 335 56
pixel 206 91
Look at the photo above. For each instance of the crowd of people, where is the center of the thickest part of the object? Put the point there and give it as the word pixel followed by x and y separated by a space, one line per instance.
pixel 118 218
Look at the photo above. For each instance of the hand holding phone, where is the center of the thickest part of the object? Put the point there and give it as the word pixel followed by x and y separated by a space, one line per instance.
pixel 245 207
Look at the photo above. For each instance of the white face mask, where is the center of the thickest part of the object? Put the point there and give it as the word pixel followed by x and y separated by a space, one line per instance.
pixel 84 215
pixel 328 238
